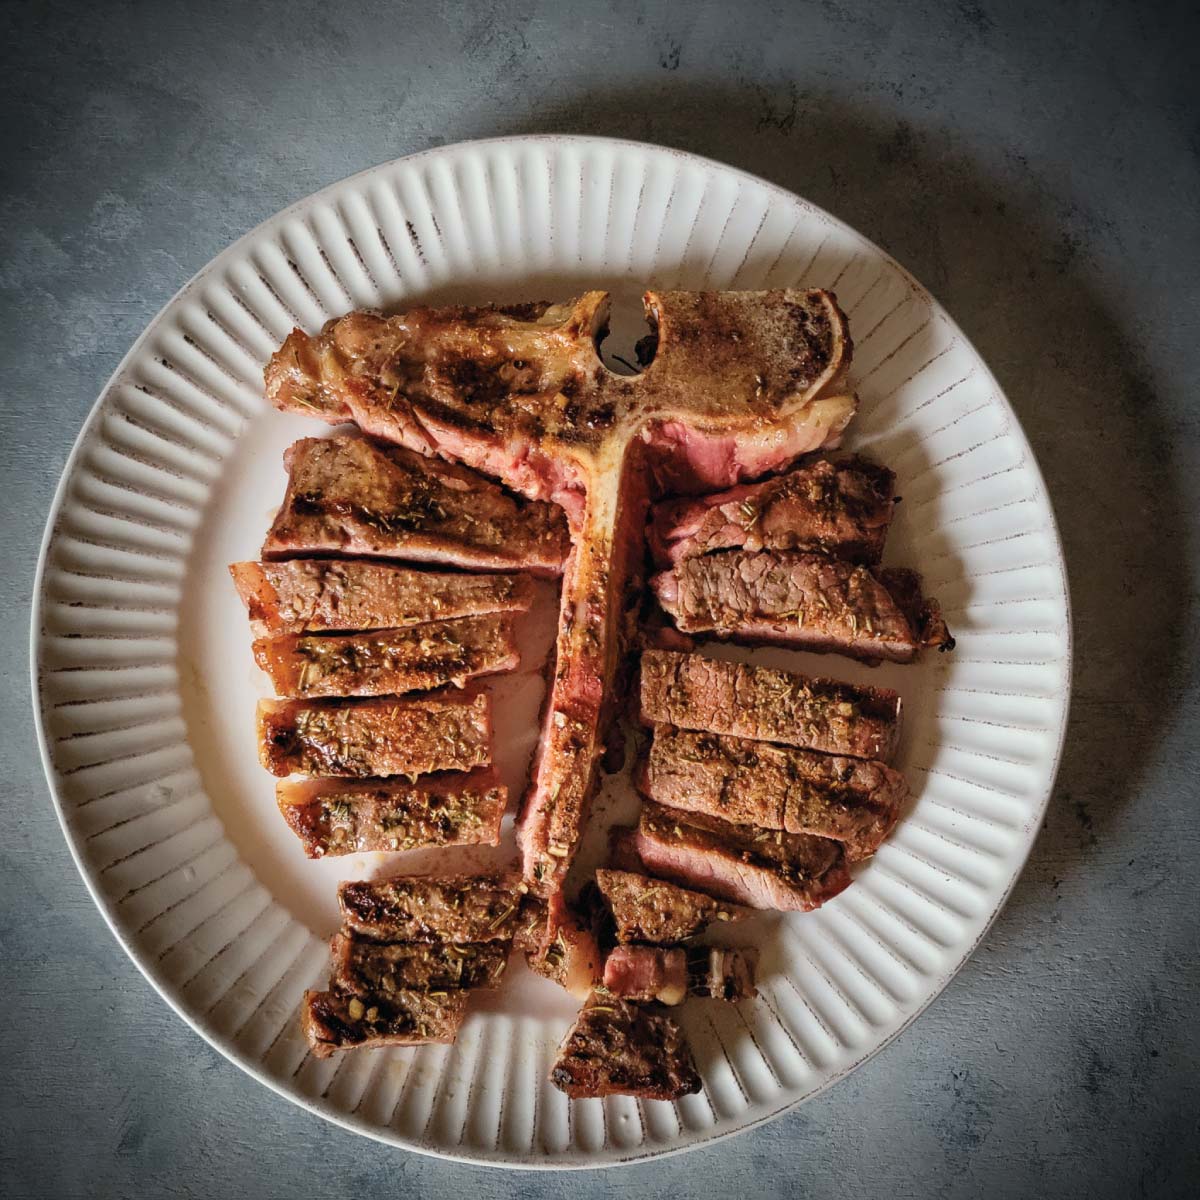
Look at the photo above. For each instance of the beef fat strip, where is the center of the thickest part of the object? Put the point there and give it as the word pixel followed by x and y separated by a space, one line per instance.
pixel 335 1021
pixel 305 595
pixel 740 384
pixel 837 506
pixel 768 705
pixel 655 911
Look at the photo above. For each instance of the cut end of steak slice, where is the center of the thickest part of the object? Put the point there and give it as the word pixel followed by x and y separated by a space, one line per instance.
pixel 566 951
pixel 389 662
pixel 303 595
pixel 655 911
pixel 922 612
pixel 332 1021
pixel 807 601
pixel 350 496
pixel 838 506
pixel 768 705
pixel 363 738
pixel 331 816
pixel 380 970
pixel 717 973
pixel 618 1048
pixel 766 869
pixel 647 973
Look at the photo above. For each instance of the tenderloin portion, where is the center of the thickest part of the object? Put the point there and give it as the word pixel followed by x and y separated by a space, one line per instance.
pixel 331 816
pixel 618 1048
pixel 330 595
pixel 850 800
pixel 449 732
pixel 837 506
pixel 378 971
pixel 768 705
pixel 350 496
pixel 390 662
pixel 430 908
pixel 333 1021
pixel 759 868
pixel 652 910
pixel 808 601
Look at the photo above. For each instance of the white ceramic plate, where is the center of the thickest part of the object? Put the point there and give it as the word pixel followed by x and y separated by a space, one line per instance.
pixel 145 686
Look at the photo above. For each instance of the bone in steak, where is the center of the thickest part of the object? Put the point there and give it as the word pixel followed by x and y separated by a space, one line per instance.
pixel 851 800
pixel 762 868
pixel 333 1021
pixel 669 975
pixel 332 816
pixel 378 970
pixel 363 738
pixel 652 910
pixel 618 1048
pixel 389 662
pixel 808 601
pixel 303 595
pixel 348 496
pixel 432 908
pixel 741 383
pixel 837 506
pixel 768 705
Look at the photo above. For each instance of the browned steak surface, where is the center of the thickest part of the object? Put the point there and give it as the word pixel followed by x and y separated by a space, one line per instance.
pixel 432 908
pixel 334 1021
pixel 564 950
pixel 645 909
pixel 378 970
pixel 618 1048
pixel 694 692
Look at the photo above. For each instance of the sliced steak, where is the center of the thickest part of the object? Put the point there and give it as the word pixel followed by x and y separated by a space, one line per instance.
pixel 759 868
pixel 378 970
pixel 618 1048
pixel 359 739
pixel 836 506
pixel 648 973
pixel 333 1021
pixel 432 908
pixel 851 800
pixel 718 973
pixel 330 816
pixel 349 496
pixel 565 951
pixel 389 662
pixel 808 601
pixel 741 384
pixel 304 595
pixel 768 705
pixel 652 910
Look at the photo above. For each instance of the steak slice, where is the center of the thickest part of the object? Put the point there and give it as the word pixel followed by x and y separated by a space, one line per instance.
pixel 722 974
pixel 349 496
pixel 358 739
pixel 334 817
pixel 431 908
pixel 792 872
pixel 618 1048
pixel 836 506
pixel 670 974
pixel 851 800
pixel 303 595
pixel 808 601
pixel 768 705
pixel 741 383
pixel 565 950
pixel 652 910
pixel 391 661
pixel 378 970
pixel 333 1021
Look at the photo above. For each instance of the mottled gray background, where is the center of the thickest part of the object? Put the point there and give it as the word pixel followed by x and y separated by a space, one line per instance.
pixel 1034 164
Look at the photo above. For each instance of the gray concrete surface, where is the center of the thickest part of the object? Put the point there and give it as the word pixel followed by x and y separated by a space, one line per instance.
pixel 1036 165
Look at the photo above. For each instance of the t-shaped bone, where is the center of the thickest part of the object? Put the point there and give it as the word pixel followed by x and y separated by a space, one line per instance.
pixel 740 384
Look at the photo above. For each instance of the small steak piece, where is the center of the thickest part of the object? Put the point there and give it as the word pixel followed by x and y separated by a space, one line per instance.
pixel 378 970
pixel 851 800
pixel 349 496
pixel 304 595
pixel 617 1048
pixel 761 868
pixel 648 973
pixel 431 908
pixel 768 705
pixel 333 1021
pixel 718 973
pixel 330 816
pixel 391 661
pixel 808 601
pixel 836 506
pixel 565 950
pixel 652 910
pixel 362 738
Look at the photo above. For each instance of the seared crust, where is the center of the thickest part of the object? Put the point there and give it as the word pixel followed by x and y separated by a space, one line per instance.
pixel 432 908
pixel 655 911
pixel 332 1021
pixel 375 970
